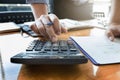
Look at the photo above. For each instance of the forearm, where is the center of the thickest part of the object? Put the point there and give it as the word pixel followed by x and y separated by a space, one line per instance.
pixel 115 12
pixel 39 9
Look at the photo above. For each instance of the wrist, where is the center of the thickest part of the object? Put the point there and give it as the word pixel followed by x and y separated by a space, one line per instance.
pixel 39 9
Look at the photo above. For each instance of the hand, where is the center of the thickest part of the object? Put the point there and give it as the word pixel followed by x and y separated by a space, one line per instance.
pixel 113 31
pixel 48 27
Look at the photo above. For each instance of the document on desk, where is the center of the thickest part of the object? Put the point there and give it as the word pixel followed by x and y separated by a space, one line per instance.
pixel 74 24
pixel 8 27
pixel 99 50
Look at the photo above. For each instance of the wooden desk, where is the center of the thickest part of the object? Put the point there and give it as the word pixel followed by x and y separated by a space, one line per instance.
pixel 58 72
pixel 51 72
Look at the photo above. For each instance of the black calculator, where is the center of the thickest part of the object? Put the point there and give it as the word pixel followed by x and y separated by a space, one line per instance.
pixel 46 52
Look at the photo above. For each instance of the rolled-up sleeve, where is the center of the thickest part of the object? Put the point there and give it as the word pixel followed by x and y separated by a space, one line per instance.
pixel 36 1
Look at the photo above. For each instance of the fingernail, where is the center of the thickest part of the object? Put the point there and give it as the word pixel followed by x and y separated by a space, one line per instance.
pixel 54 39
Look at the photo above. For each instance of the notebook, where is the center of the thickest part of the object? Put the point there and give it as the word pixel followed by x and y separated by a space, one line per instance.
pixel 99 50
pixel 8 27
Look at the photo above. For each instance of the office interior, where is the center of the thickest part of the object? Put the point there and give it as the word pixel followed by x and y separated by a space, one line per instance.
pixel 71 9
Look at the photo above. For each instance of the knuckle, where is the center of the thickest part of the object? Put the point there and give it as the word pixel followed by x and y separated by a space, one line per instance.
pixel 56 20
pixel 44 16
pixel 52 15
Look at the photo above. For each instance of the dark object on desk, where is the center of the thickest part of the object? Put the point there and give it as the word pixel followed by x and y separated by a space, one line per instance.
pixel 41 52
pixel 26 29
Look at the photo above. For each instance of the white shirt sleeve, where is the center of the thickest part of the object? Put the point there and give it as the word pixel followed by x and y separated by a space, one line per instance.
pixel 36 1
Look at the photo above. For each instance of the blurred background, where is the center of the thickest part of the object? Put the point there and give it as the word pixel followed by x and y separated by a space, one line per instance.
pixel 73 9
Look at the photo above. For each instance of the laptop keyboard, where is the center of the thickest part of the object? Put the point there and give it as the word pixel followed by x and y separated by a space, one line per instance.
pixel 41 52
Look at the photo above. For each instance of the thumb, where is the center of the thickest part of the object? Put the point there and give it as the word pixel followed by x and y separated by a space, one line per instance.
pixel 110 35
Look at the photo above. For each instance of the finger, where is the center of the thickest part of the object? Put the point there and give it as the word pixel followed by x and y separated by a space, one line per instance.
pixel 56 25
pixel 49 28
pixel 41 28
pixel 110 35
pixel 34 28
pixel 63 29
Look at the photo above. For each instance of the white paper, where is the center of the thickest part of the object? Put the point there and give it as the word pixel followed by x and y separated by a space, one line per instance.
pixel 102 50
pixel 8 27
pixel 74 24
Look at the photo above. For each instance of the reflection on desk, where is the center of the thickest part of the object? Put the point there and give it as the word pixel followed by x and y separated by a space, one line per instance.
pixel 57 72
